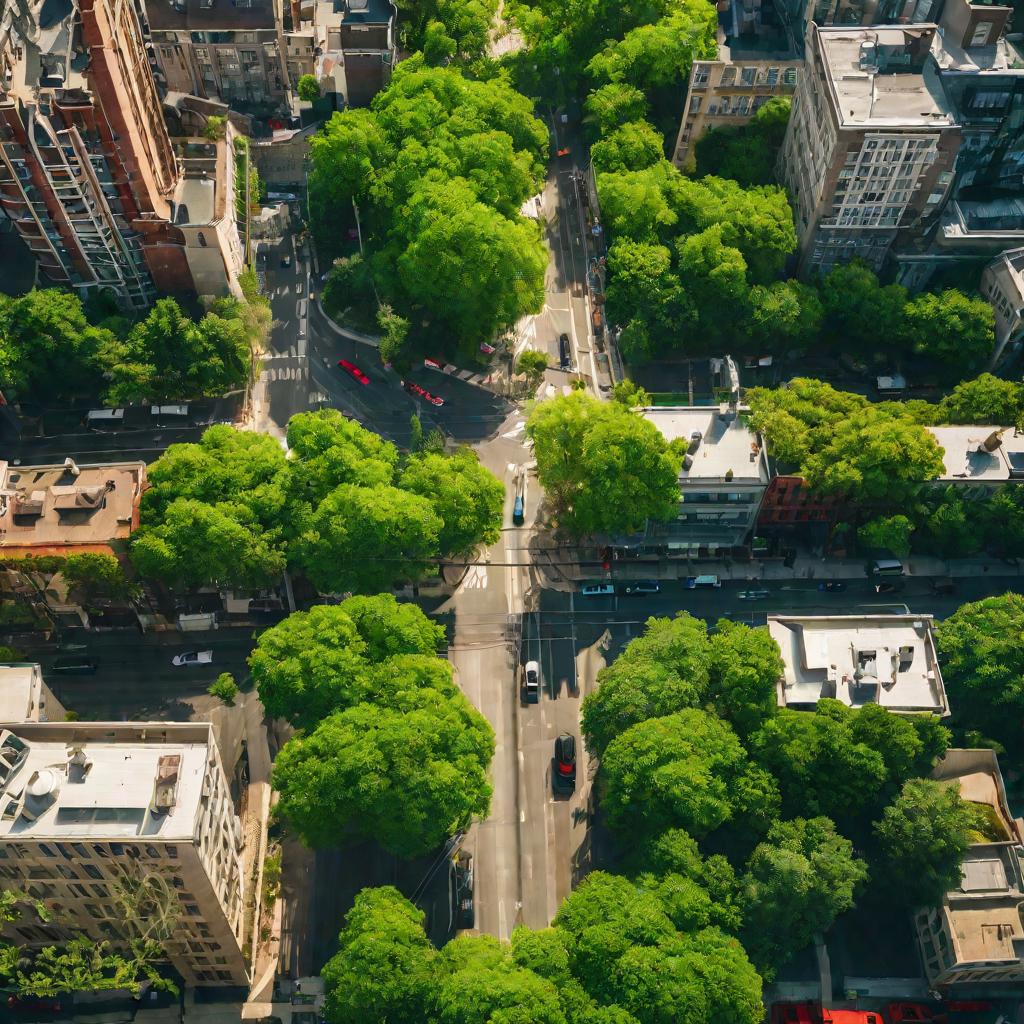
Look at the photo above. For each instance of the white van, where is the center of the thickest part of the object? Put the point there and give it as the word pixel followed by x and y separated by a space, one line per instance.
pixel 711 580
pixel 104 419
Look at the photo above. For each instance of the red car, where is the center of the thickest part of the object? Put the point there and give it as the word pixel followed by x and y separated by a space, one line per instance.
pixel 415 389
pixel 352 370
pixel 564 151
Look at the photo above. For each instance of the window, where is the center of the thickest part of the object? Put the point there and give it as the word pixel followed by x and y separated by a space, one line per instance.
pixel 46 851
pixel 92 871
pixel 772 76
pixel 695 102
pixel 789 76
pixel 748 76
pixel 981 34
pixel 728 75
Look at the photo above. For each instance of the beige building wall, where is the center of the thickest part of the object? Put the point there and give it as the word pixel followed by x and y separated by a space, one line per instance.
pixel 1002 283
pixel 729 91
pixel 187 856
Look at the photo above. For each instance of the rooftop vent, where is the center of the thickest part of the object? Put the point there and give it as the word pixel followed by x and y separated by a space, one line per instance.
pixel 166 793
pixel 992 442
pixel 71 467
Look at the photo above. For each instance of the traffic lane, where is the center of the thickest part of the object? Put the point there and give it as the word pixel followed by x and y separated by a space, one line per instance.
pixel 135 679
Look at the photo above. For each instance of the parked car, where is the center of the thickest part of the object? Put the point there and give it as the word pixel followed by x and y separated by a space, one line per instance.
pixel 465 910
pixel 531 683
pixel 564 352
pixel 563 777
pixel 598 590
pixel 353 371
pixel 75 665
pixel 710 580
pixel 888 588
pixel 754 595
pixel 192 658
pixel 832 586
pixel 564 151
pixel 415 389
pixel 642 587
pixel 518 514
pixel 942 585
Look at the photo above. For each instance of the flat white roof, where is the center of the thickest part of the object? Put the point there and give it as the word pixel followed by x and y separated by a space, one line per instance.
pixel 882 98
pixel 727 442
pixel 964 462
pixel 21 687
pixel 859 659
pixel 61 782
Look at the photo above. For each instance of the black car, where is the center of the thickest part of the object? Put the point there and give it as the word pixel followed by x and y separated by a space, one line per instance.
pixel 563 774
pixel 888 588
pixel 832 586
pixel 465 909
pixel 642 587
pixel 564 352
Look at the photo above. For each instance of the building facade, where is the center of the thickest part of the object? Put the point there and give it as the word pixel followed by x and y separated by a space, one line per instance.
pixel 356 40
pixel 1002 283
pixel 870 148
pixel 88 174
pixel 235 53
pixel 99 817
pixel 721 483
pixel 730 91
pixel 976 936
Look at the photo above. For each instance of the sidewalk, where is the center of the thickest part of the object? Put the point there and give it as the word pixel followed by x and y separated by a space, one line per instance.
pixel 563 567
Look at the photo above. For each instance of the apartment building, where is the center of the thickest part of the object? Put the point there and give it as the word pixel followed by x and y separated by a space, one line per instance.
pixel 358 50
pixel 88 174
pixel 976 936
pixel 859 659
pixel 730 91
pixel 871 146
pixel 234 52
pixel 721 483
pixel 1002 283
pixel 96 817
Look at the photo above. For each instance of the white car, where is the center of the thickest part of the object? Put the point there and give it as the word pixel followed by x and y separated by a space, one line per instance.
pixel 192 658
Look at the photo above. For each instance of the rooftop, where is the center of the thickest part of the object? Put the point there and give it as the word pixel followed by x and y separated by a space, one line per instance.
pixel 977 774
pixel 24 697
pixel 859 659
pixel 1001 57
pixel 102 779
pixel 879 77
pixel 195 201
pixel 211 15
pixel 68 505
pixel 727 443
pixel 980 454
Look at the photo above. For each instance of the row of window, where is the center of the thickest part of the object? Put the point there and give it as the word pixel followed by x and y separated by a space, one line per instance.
pixel 747 76
pixel 75 851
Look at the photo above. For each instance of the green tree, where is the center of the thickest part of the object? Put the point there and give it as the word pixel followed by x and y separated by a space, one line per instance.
pixel 95 574
pixel 613 105
pixel 662 671
pixel 308 88
pixel 630 394
pixel 638 205
pixel 716 278
pixel 364 538
pixel 952 328
pixel 469 498
pixel 861 315
pixel 797 882
pixel 533 364
pixel 438 46
pixel 643 287
pixel 224 688
pixel 784 315
pixel 384 967
pixel 215 127
pixel 317 662
pixel 986 399
pixel 408 778
pixel 746 153
pixel 605 468
pixel 349 288
pixel 394 338
pixel 659 54
pixel 983 666
pixel 890 533
pixel 745 669
pixel 686 770
pixel 922 838
pixel 168 357
pixel 196 544
pixel 629 147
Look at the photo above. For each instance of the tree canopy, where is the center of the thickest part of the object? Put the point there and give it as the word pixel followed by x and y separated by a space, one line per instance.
pixel 923 836
pixel 440 165
pixel 343 507
pixel 745 153
pixel 604 468
pixel 983 666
